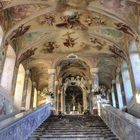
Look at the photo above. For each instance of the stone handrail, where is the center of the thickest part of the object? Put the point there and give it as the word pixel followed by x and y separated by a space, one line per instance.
pixel 124 125
pixel 21 126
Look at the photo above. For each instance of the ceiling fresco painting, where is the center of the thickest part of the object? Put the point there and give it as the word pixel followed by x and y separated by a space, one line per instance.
pixel 94 33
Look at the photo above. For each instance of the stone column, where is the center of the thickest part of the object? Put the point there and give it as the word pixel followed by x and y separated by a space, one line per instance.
pixel 95 78
pixel 94 88
pixel 25 89
pixel 58 101
pixel 32 95
pixel 119 91
pixel 28 95
pixel 51 85
pixel 56 96
pixel 113 94
pixel 84 100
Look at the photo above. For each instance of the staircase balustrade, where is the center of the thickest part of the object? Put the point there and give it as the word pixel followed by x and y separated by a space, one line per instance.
pixel 124 125
pixel 22 125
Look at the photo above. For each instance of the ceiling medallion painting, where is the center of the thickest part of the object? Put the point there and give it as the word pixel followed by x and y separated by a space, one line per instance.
pixel 71 21
pixel 69 42
pixel 96 20
pixel 50 46
pixel 47 19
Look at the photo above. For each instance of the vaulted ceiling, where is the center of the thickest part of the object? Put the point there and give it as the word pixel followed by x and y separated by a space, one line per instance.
pixel 45 32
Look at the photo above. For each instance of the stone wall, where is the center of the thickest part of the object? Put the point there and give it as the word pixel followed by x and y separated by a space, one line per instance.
pixel 124 125
pixel 21 126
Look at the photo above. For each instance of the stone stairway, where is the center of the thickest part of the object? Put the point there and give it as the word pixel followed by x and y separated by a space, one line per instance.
pixel 73 127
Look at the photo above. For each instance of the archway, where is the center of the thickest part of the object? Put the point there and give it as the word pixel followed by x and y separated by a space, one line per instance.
pixel 19 86
pixel 8 70
pixel 74 100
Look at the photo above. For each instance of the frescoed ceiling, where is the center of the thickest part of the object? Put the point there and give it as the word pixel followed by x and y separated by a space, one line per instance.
pixel 45 31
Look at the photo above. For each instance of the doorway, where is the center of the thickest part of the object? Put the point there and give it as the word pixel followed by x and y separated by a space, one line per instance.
pixel 74 100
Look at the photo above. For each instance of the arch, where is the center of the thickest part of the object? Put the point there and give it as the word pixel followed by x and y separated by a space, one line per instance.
pixel 19 86
pixel 8 70
pixel 135 63
pixel 126 82
pixel 60 59
pixel 35 98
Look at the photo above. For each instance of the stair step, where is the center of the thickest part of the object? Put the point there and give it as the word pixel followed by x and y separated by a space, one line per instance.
pixel 73 128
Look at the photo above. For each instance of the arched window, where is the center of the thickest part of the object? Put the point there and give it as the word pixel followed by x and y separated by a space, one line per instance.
pixel 8 69
pixel 126 82
pixel 113 95
pixel 1 35
pixel 19 86
pixel 135 62
pixel 35 98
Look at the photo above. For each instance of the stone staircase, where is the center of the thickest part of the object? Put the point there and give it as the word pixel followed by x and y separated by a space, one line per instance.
pixel 73 127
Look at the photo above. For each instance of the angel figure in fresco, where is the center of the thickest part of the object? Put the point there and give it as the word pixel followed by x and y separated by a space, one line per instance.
pixel 30 52
pixel 21 30
pixel 69 41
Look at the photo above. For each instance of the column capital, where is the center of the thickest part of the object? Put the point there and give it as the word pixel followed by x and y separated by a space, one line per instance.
pixel 94 70
pixel 51 71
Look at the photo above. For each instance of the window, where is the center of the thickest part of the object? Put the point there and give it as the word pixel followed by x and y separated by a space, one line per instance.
pixel 19 86
pixel 8 70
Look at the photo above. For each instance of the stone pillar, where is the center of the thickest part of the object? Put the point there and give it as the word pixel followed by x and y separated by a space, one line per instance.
pixel 56 95
pixel 58 101
pixel 62 102
pixel 51 85
pixel 113 94
pixel 118 87
pixel 28 95
pixel 32 95
pixel 95 78
pixel 25 89
pixel 85 100
pixel 94 88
